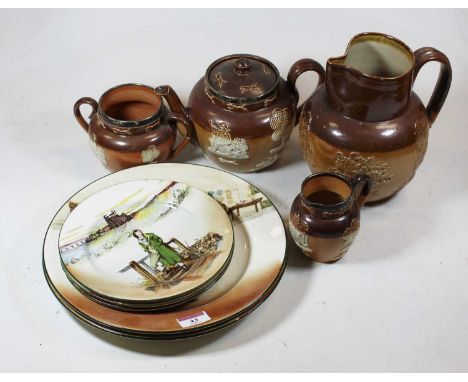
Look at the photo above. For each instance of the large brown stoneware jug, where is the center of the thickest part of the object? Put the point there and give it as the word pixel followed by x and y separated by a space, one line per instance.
pixel 242 111
pixel 130 126
pixel 325 216
pixel 364 116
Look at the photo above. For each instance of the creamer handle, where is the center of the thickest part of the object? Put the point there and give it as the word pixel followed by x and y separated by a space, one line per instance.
pixel 362 185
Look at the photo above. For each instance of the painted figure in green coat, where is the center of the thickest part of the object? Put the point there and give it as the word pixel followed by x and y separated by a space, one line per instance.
pixel 159 251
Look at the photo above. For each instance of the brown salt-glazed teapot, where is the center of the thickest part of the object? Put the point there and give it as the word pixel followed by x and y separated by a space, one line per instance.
pixel 130 126
pixel 243 112
pixel 364 117
pixel 325 216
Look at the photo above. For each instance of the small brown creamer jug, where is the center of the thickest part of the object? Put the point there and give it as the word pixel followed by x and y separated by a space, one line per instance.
pixel 325 216
pixel 364 116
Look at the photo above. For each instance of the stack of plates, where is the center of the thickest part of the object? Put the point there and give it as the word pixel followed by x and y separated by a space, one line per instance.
pixel 165 251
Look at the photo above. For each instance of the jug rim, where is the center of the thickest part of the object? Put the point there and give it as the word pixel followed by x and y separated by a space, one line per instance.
pixel 152 119
pixel 370 76
pixel 328 207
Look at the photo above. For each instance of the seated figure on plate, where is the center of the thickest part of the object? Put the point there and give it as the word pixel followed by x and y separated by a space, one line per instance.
pixel 162 256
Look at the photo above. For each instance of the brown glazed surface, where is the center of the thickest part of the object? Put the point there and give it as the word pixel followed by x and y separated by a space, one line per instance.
pixel 251 128
pixel 325 216
pixel 130 126
pixel 364 117
pixel 242 111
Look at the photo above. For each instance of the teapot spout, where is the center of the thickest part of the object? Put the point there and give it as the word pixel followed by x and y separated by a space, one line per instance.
pixel 172 99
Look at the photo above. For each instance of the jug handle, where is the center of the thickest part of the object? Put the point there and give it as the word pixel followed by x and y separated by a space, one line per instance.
pixel 76 110
pixel 298 68
pixel 362 185
pixel 180 119
pixel 423 56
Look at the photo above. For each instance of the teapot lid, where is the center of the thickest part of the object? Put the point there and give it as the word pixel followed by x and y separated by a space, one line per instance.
pixel 242 78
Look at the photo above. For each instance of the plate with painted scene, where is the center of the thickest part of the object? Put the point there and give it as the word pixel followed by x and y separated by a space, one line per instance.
pixel 145 244
pixel 257 264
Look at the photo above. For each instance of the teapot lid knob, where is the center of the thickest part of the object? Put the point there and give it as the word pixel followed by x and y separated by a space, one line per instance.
pixel 241 65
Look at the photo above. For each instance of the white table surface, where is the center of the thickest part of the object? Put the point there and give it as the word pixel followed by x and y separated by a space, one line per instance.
pixel 398 301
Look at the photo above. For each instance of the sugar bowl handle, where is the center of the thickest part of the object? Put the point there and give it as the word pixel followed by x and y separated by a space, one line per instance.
pixel 76 110
pixel 180 120
pixel 178 115
pixel 300 67
pixel 423 56
pixel 362 185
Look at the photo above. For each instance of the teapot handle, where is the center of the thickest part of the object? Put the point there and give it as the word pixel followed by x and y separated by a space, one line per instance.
pixel 76 110
pixel 362 185
pixel 299 67
pixel 423 56
pixel 180 119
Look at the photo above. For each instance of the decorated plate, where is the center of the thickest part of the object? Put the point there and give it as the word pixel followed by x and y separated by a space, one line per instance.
pixel 256 267
pixel 146 242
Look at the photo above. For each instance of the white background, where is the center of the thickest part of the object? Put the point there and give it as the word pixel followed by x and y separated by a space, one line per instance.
pixel 398 301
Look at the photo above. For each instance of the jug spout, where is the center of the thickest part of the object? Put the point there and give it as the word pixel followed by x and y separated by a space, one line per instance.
pixel 372 81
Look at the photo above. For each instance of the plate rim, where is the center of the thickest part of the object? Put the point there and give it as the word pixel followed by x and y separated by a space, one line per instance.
pixel 167 305
pixel 166 336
